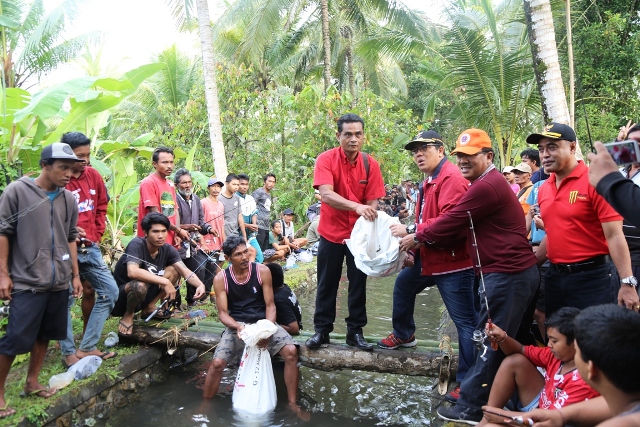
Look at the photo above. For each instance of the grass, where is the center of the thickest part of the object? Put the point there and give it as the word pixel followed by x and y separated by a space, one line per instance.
pixel 34 409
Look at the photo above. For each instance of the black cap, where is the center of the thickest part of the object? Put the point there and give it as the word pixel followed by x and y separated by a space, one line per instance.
pixel 555 131
pixel 287 211
pixel 424 137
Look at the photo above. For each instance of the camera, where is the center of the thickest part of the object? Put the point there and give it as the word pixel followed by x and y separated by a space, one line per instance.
pixel 535 209
pixel 624 152
pixel 4 310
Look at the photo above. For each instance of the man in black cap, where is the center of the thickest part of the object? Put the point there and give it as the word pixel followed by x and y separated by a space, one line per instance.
pixel 447 267
pixel 289 232
pixel 38 259
pixel 584 233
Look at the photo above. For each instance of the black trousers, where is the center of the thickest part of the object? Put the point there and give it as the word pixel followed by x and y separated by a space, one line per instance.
pixel 194 263
pixel 330 259
pixel 263 239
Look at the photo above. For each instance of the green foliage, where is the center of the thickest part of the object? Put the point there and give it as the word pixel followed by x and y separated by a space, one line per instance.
pixel 608 86
pixel 485 63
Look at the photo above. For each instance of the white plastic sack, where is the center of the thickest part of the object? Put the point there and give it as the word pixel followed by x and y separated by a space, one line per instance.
pixel 85 367
pixel 255 388
pixel 62 380
pixel 305 256
pixel 375 250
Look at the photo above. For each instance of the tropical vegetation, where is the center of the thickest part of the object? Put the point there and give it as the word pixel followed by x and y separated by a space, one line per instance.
pixel 286 69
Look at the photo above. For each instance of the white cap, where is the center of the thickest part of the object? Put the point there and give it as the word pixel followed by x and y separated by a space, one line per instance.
pixel 507 169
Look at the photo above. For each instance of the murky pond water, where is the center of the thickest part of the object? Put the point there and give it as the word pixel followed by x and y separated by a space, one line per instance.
pixel 345 398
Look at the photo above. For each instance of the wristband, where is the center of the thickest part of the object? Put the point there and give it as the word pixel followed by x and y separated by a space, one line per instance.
pixel 504 339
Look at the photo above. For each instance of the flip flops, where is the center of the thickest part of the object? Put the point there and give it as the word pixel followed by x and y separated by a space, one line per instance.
pixel 104 355
pixel 8 411
pixel 126 327
pixel 45 393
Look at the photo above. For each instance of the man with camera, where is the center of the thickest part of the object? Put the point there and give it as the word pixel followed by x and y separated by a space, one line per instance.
pixel 192 220
pixel 584 242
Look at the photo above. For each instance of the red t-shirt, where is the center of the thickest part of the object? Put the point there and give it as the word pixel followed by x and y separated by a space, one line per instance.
pixel 333 168
pixel 214 216
pixel 561 390
pixel 161 193
pixel 572 216
pixel 91 196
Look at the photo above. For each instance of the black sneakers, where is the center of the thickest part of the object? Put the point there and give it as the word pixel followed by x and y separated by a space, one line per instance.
pixel 458 414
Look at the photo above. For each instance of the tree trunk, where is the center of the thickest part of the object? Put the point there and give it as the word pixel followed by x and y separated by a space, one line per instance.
pixel 326 44
pixel 572 85
pixel 546 66
pixel 211 90
pixel 332 357
pixel 544 51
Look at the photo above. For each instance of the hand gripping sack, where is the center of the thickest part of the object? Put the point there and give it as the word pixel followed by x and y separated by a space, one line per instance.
pixel 375 250
pixel 254 392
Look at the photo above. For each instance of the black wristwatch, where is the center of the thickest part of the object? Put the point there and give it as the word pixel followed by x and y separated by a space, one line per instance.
pixel 415 239
pixel 411 229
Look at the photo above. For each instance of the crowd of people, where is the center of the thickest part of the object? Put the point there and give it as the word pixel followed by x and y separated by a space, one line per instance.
pixel 543 240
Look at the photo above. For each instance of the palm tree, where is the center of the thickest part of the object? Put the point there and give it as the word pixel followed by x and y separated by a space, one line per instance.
pixel 346 43
pixel 485 63
pixel 31 40
pixel 545 60
pixel 169 90
pixel 183 13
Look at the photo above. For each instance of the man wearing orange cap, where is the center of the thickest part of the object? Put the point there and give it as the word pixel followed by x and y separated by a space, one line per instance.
pixel 508 274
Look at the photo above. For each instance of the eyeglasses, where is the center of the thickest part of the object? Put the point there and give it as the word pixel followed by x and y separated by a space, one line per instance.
pixel 423 148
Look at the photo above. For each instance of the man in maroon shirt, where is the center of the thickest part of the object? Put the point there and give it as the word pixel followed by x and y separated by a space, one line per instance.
pixel 508 277
pixel 90 193
pixel 350 184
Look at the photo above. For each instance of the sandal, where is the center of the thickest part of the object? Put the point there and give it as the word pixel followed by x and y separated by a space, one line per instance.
pixel 6 412
pixel 126 327
pixel 45 393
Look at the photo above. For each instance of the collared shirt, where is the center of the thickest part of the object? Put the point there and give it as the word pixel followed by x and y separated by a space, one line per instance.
pixel 159 193
pixel 349 181
pixel 572 215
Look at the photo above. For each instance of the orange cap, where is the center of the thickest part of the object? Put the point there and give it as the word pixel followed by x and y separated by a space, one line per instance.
pixel 471 141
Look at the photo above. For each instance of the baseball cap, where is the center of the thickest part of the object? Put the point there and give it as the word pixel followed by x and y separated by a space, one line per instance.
pixel 471 141
pixel 58 150
pixel 556 131
pixel 507 169
pixel 287 211
pixel 215 181
pixel 523 167
pixel 424 137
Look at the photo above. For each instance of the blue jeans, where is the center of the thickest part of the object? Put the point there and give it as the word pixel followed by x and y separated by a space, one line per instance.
pixel 95 271
pixel 456 290
pixel 508 296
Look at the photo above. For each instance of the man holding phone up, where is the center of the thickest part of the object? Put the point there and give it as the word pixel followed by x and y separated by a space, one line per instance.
pixel 584 242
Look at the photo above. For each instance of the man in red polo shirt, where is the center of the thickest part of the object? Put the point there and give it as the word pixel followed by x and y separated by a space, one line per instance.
pixel 584 233
pixel 350 184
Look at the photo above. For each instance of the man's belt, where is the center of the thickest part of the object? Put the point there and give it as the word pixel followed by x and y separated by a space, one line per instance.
pixel 588 264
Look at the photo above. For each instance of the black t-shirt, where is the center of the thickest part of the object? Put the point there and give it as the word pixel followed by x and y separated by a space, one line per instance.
pixel 287 308
pixel 137 248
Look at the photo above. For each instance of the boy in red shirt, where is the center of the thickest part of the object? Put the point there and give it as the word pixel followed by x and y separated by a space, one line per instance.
pixel 561 384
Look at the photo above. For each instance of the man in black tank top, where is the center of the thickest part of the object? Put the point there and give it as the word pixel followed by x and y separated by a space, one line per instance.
pixel 607 352
pixel 244 295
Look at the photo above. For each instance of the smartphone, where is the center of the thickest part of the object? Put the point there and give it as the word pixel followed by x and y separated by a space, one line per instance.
pixel 624 152
pixel 519 421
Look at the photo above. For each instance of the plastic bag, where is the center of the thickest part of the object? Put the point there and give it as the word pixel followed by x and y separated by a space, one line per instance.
pixel 112 339
pixel 60 381
pixel 305 256
pixel 291 262
pixel 375 250
pixel 85 367
pixel 254 391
